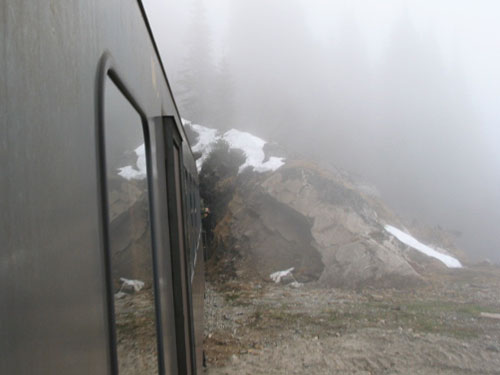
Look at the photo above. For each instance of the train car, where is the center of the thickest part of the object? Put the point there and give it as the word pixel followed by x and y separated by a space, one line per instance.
pixel 101 261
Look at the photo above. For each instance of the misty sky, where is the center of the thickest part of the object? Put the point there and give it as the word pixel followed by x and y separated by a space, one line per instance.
pixel 403 93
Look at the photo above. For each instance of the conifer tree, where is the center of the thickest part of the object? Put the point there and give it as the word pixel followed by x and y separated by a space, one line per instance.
pixel 222 113
pixel 193 87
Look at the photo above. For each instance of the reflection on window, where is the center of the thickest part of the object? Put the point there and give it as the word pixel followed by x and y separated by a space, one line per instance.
pixel 130 236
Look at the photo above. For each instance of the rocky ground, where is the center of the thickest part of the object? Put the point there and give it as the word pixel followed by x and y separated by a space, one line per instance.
pixel 136 333
pixel 257 327
pixel 380 294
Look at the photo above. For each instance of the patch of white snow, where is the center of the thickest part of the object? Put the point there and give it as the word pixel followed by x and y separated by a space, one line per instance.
pixel 253 148
pixel 137 285
pixel 138 172
pixel 407 239
pixel 277 276
pixel 120 295
pixel 207 138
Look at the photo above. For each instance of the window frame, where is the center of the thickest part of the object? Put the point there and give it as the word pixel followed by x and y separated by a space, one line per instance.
pixel 173 140
pixel 109 73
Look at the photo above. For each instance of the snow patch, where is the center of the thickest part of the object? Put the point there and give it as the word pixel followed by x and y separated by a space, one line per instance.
pixel 407 239
pixel 207 138
pixel 252 147
pixel 138 172
pixel 136 285
pixel 120 295
pixel 277 276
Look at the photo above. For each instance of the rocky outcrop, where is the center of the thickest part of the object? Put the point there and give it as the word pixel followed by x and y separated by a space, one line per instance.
pixel 129 232
pixel 300 216
pixel 317 221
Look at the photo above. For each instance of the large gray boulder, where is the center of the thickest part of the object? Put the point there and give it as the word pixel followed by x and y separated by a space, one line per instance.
pixel 304 217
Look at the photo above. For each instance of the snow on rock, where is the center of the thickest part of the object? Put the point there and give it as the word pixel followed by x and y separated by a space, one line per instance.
pixel 405 238
pixel 296 284
pixel 277 276
pixel 127 284
pixel 138 172
pixel 207 137
pixel 120 295
pixel 252 147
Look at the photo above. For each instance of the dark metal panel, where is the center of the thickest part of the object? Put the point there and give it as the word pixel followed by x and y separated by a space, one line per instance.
pixel 179 245
pixel 196 266
pixel 198 292
pixel 162 238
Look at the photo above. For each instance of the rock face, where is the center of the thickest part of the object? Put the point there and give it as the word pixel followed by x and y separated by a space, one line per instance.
pixel 130 239
pixel 315 220
pixel 271 234
pixel 300 216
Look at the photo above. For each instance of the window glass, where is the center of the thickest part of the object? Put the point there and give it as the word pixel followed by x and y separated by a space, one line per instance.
pixel 130 236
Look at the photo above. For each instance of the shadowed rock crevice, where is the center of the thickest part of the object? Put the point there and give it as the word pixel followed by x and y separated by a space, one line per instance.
pixel 273 235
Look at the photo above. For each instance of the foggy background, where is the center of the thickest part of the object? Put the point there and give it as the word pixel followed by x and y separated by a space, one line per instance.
pixel 404 94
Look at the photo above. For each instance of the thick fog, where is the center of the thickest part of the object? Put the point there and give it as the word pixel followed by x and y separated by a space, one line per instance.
pixel 403 94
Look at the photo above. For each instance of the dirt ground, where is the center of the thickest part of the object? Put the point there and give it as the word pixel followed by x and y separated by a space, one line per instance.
pixel 136 333
pixel 261 328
